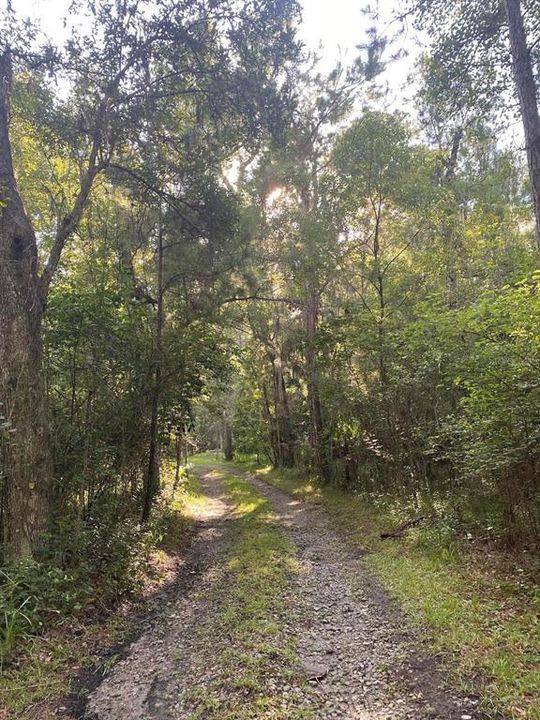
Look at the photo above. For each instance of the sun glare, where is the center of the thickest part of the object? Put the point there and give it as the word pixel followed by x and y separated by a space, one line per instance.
pixel 274 195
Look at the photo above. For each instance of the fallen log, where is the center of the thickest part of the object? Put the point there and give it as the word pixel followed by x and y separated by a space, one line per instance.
pixel 398 532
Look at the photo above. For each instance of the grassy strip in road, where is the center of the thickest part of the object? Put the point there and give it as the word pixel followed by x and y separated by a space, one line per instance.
pixel 481 614
pixel 251 655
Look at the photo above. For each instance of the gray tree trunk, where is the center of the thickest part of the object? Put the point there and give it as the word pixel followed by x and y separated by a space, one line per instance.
pixel 284 440
pixel 228 448
pixel 25 457
pixel 528 100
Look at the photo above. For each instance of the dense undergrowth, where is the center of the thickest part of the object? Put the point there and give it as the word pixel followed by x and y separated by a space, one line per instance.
pixel 57 617
pixel 477 603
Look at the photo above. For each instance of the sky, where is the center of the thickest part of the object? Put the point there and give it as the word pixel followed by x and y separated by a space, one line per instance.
pixel 340 25
pixel 336 25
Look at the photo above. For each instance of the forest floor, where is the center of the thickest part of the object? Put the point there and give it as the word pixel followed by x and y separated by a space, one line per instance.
pixel 276 616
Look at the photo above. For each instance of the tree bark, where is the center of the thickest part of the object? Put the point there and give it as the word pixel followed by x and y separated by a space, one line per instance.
pixel 528 100
pixel 186 444
pixel 379 285
pixel 178 458
pixel 452 243
pixel 25 457
pixel 271 424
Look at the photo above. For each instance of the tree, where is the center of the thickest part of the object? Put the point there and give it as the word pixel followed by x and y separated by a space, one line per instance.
pixel 527 91
pixel 303 232
pixel 481 51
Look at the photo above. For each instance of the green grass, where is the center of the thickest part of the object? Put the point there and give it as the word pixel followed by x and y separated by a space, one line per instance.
pixel 482 616
pixel 207 458
pixel 492 630
pixel 42 677
pixel 251 655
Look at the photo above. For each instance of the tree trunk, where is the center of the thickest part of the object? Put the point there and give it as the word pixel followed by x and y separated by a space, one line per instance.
pixel 228 449
pixel 271 424
pixel 452 243
pixel 379 284
pixel 284 439
pixel 318 439
pixel 25 456
pixel 186 444
pixel 528 101
pixel 86 456
pixel 151 480
pixel 178 458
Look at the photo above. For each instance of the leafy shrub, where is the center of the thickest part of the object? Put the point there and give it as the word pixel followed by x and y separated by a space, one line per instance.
pixel 33 594
pixel 106 559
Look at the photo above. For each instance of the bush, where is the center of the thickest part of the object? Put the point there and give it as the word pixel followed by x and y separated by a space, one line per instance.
pixel 105 560
pixel 32 595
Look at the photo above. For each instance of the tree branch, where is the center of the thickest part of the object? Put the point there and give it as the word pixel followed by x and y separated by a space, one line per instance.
pixel 71 221
pixel 263 298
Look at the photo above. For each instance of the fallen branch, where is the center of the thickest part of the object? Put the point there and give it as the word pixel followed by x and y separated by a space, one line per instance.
pixel 406 526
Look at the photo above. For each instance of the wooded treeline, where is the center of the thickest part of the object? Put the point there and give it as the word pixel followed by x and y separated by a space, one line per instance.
pixel 393 343
pixel 196 226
